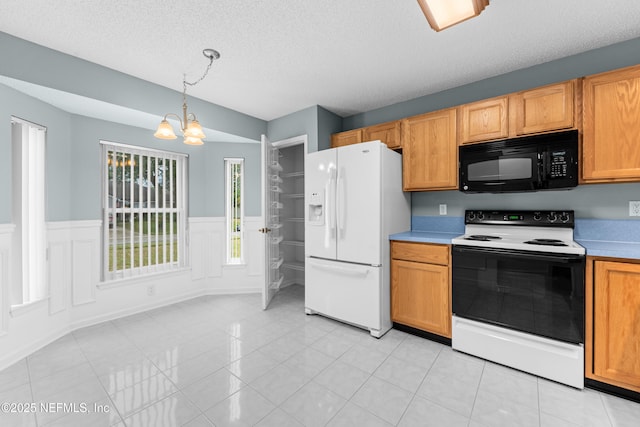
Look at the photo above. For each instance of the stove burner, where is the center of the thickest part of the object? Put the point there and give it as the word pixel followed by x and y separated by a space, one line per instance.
pixel 546 242
pixel 482 237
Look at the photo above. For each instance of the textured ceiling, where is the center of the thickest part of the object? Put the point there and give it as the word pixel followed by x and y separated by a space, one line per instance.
pixel 348 56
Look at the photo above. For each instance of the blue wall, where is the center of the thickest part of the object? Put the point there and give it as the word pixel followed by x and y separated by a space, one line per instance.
pixel 589 201
pixel 580 65
pixel 74 161
pixel 316 122
pixel 58 152
pixel 29 62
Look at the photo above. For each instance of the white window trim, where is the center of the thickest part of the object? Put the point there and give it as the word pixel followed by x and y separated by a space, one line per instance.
pixel 123 276
pixel 230 215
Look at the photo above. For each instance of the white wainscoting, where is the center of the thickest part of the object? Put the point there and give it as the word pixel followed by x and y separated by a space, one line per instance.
pixel 77 298
pixel 74 262
pixel 207 238
pixel 6 233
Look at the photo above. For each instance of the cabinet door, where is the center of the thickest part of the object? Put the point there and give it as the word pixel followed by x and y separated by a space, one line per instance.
pixel 420 296
pixel 611 126
pixel 616 330
pixel 389 133
pixel 346 138
pixel 543 109
pixel 429 151
pixel 484 120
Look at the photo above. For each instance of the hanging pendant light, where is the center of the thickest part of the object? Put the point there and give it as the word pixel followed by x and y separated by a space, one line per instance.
pixel 189 125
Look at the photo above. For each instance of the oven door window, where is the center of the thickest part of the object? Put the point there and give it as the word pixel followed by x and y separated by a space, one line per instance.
pixel 533 292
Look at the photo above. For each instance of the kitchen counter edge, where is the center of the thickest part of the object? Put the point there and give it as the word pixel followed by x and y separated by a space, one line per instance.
pixel 630 250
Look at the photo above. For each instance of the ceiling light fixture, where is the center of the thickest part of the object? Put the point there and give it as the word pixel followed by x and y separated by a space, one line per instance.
pixel 443 14
pixel 189 125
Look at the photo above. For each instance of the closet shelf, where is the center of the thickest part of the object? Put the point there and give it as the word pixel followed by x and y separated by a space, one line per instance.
pixel 274 165
pixel 293 196
pixel 293 243
pixel 294 219
pixel 276 284
pixel 276 263
pixel 293 175
pixel 299 266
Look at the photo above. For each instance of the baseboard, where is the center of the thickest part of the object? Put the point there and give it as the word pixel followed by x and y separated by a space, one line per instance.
pixel 7 360
pixel 135 310
pixel 422 334
pixel 611 389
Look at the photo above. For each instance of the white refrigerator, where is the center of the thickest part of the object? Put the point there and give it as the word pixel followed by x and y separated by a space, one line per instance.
pixel 353 202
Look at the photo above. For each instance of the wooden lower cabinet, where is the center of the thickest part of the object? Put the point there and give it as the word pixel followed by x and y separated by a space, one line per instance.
pixel 612 338
pixel 420 287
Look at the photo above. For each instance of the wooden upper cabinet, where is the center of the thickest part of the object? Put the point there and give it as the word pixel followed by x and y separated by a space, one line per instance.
pixel 346 138
pixel 611 126
pixel 389 133
pixel 616 324
pixel 543 109
pixel 484 120
pixel 429 151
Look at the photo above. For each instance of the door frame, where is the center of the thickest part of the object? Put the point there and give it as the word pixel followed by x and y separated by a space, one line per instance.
pixel 283 143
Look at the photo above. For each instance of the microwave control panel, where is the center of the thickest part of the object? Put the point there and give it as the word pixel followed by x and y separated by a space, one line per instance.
pixel 558 164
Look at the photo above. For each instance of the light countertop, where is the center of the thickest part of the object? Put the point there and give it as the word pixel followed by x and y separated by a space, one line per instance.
pixel 425 237
pixel 606 238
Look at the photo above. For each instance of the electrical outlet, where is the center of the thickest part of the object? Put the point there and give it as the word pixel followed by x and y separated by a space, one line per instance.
pixel 634 208
pixel 443 209
pixel 151 290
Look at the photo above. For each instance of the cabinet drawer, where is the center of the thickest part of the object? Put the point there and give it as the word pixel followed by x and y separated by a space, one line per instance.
pixel 420 252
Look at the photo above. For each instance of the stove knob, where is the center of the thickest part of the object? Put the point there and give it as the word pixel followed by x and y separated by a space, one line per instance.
pixel 564 217
pixel 552 217
pixel 536 216
pixel 471 216
pixel 480 216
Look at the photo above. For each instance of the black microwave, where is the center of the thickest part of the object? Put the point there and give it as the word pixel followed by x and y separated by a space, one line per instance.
pixel 531 163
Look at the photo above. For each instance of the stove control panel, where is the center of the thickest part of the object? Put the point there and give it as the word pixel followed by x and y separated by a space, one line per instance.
pixel 535 218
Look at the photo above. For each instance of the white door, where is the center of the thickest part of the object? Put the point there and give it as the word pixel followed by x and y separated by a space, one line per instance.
pixel 271 206
pixel 359 212
pixel 320 216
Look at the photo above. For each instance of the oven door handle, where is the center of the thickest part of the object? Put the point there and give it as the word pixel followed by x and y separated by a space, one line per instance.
pixel 534 256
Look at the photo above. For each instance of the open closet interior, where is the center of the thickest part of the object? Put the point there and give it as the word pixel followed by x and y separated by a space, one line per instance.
pixel 291 248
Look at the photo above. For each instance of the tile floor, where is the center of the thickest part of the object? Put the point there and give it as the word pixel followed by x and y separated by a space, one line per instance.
pixel 223 361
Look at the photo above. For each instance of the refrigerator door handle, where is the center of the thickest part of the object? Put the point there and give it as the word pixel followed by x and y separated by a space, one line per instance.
pixel 331 197
pixel 342 201
pixel 359 272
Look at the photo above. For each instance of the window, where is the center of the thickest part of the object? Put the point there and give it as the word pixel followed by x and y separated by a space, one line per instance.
pixel 234 170
pixel 144 211
pixel 28 205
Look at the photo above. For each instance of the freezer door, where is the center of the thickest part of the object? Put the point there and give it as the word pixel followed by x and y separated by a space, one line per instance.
pixel 347 292
pixel 319 202
pixel 359 212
